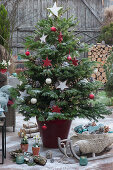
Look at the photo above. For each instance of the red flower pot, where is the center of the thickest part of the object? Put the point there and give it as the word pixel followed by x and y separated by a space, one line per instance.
pixel 35 151
pixel 3 71
pixel 24 147
pixel 55 129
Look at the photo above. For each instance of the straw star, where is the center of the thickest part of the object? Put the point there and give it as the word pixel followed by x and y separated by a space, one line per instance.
pixel 54 10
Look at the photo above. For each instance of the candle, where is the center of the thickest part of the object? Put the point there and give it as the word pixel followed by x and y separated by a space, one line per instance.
pixel 83 161
pixel 20 159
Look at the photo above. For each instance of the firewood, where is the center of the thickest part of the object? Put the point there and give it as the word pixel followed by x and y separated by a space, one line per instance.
pixel 94 76
pixel 103 46
pixel 93 59
pixel 99 45
pixel 101 56
pixel 100 78
pixel 99 59
pixel 101 69
pixel 96 56
pixel 29 125
pixel 104 52
pixel 106 48
pixel 21 133
pixel 103 74
pixel 89 53
pixel 31 135
pixel 94 53
pixel 103 81
pixel 98 73
pixel 104 56
pixel 30 130
pixel 98 53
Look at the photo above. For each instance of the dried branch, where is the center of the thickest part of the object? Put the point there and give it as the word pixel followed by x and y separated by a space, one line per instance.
pixel 108 15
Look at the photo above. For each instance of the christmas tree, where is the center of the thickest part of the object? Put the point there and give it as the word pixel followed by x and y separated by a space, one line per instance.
pixel 57 84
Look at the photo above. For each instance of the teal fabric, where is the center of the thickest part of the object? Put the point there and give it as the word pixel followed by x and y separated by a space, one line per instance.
pixel 4 96
pixel 5 89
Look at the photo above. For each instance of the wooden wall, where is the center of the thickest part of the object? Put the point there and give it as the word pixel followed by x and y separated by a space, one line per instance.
pixel 89 13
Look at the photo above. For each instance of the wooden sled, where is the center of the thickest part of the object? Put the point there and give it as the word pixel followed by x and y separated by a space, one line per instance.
pixel 64 147
pixel 67 148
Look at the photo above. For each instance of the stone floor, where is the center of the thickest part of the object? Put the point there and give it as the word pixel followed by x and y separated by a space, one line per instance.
pixel 13 142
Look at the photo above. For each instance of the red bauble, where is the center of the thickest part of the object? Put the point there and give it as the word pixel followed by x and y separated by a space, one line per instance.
pixel 44 127
pixel 53 29
pixel 69 58
pixel 91 96
pixel 27 53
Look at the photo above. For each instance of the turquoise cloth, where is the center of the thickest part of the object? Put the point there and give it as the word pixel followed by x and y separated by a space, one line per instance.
pixel 4 96
pixel 5 89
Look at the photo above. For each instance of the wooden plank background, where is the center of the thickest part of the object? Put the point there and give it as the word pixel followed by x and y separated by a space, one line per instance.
pixel 89 13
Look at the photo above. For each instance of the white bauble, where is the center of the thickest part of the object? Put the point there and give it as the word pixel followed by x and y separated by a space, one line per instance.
pixel 48 81
pixel 33 100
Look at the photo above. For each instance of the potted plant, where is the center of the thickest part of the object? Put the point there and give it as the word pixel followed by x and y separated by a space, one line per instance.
pixel 57 84
pixel 3 66
pixel 36 145
pixel 107 27
pixel 24 144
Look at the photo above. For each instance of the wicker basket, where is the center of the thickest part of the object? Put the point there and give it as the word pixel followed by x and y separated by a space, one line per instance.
pixel 93 143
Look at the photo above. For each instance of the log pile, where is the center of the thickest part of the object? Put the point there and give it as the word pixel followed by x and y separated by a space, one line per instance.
pixel 99 53
pixel 29 130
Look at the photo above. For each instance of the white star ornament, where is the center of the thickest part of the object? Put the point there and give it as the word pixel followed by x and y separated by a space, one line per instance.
pixel 62 85
pixel 43 38
pixel 54 10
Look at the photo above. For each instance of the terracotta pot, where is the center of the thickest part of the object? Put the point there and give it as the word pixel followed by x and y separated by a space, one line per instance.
pixel 35 151
pixel 24 147
pixel 55 129
pixel 3 71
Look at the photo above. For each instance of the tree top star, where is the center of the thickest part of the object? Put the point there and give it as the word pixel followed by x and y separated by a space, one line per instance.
pixel 54 10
